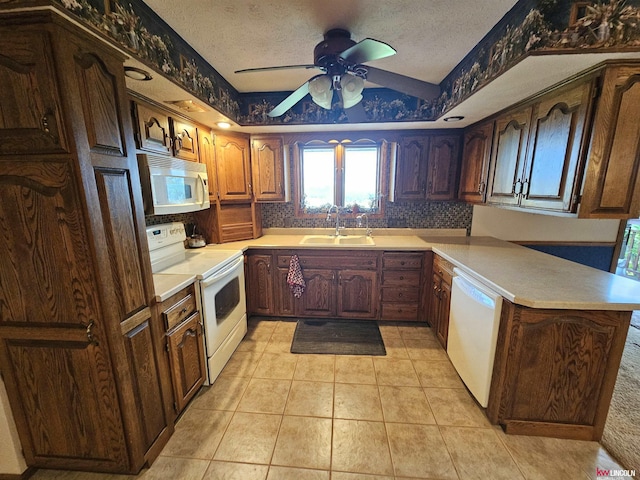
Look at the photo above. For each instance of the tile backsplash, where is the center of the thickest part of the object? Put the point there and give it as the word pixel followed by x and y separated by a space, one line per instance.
pixel 397 215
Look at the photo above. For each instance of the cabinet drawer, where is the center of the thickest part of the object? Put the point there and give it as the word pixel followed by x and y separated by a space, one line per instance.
pixel 366 262
pixel 400 261
pixel 409 278
pixel 400 311
pixel 442 266
pixel 400 294
pixel 179 312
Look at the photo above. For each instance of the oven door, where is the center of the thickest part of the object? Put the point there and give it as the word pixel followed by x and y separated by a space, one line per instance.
pixel 223 303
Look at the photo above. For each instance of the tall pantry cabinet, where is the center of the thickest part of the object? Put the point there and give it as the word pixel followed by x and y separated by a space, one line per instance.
pixel 79 350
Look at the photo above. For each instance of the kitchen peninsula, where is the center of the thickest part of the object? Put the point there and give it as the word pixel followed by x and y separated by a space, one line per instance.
pixel 561 333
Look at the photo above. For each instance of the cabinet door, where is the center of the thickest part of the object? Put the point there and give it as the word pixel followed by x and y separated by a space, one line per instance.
pixel 207 156
pixel 185 140
pixel 233 168
pixel 411 168
pixel 152 129
pixel 434 302
pixel 554 370
pixel 444 158
pixel 442 330
pixel 556 148
pixel 357 293
pixel 53 347
pixel 187 357
pixel 30 117
pixel 259 284
pixel 507 157
pixel 612 185
pixel 319 298
pixel 268 168
pixel 476 152
pixel 122 255
pixel 284 299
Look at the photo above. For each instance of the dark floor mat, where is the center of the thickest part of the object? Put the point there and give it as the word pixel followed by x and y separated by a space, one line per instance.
pixel 338 337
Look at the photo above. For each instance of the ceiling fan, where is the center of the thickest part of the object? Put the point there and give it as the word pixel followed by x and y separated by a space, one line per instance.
pixel 341 60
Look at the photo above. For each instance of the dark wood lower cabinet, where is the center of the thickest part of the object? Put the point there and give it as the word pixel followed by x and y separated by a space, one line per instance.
pixel 184 340
pixel 440 298
pixel 555 370
pixel 341 284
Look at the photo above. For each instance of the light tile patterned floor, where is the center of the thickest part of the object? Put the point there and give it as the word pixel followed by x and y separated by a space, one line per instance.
pixel 273 415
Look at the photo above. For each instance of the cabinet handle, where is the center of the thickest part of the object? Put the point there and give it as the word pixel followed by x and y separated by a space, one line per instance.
pixel 183 311
pixel 269 268
pixel 92 340
pixel 401 277
pixel 399 295
pixel 402 263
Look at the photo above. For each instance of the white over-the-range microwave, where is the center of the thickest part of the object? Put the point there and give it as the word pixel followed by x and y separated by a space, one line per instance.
pixel 171 185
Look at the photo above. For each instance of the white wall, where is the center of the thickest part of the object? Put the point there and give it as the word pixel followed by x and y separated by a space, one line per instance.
pixel 11 459
pixel 522 226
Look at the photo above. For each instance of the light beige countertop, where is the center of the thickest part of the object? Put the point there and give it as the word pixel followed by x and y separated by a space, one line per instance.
pixel 535 279
pixel 521 275
pixel 165 285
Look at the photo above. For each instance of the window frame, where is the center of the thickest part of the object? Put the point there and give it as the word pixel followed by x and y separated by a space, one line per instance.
pixel 338 147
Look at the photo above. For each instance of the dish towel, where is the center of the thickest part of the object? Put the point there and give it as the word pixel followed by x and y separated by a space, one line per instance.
pixel 295 280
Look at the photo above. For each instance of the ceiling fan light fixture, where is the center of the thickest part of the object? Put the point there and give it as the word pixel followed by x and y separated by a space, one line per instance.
pixel 320 91
pixel 352 87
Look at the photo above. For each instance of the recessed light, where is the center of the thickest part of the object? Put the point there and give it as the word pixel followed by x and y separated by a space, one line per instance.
pixel 224 125
pixel 187 106
pixel 455 118
pixel 137 74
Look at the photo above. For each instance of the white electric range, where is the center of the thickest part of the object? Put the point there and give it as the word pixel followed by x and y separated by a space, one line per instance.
pixel 220 291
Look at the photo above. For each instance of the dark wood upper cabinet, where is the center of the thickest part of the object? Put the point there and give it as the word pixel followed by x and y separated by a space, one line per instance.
pixel 539 151
pixel 411 167
pixel 152 129
pixel 233 167
pixel 443 166
pixel 612 184
pixel 476 153
pixel 30 117
pixel 508 156
pixel 207 155
pixel 426 167
pixel 184 136
pixel 556 150
pixel 270 169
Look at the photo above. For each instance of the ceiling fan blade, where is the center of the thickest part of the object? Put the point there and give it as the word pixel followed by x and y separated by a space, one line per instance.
pixel 283 67
pixel 401 83
pixel 367 50
pixel 291 100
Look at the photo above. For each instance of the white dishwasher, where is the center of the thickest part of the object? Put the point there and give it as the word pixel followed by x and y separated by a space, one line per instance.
pixel 473 331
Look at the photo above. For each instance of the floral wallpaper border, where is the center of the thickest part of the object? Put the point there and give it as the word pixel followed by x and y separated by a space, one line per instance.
pixel 532 27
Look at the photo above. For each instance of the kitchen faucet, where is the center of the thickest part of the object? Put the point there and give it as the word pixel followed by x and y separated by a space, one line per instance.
pixel 359 219
pixel 338 227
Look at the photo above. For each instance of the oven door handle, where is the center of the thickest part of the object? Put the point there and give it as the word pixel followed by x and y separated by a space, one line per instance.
pixel 221 274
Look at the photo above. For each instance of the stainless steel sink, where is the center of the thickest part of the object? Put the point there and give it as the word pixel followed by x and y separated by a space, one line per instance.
pixel 341 240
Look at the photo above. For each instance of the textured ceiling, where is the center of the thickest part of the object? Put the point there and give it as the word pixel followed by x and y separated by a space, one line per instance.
pixel 431 36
